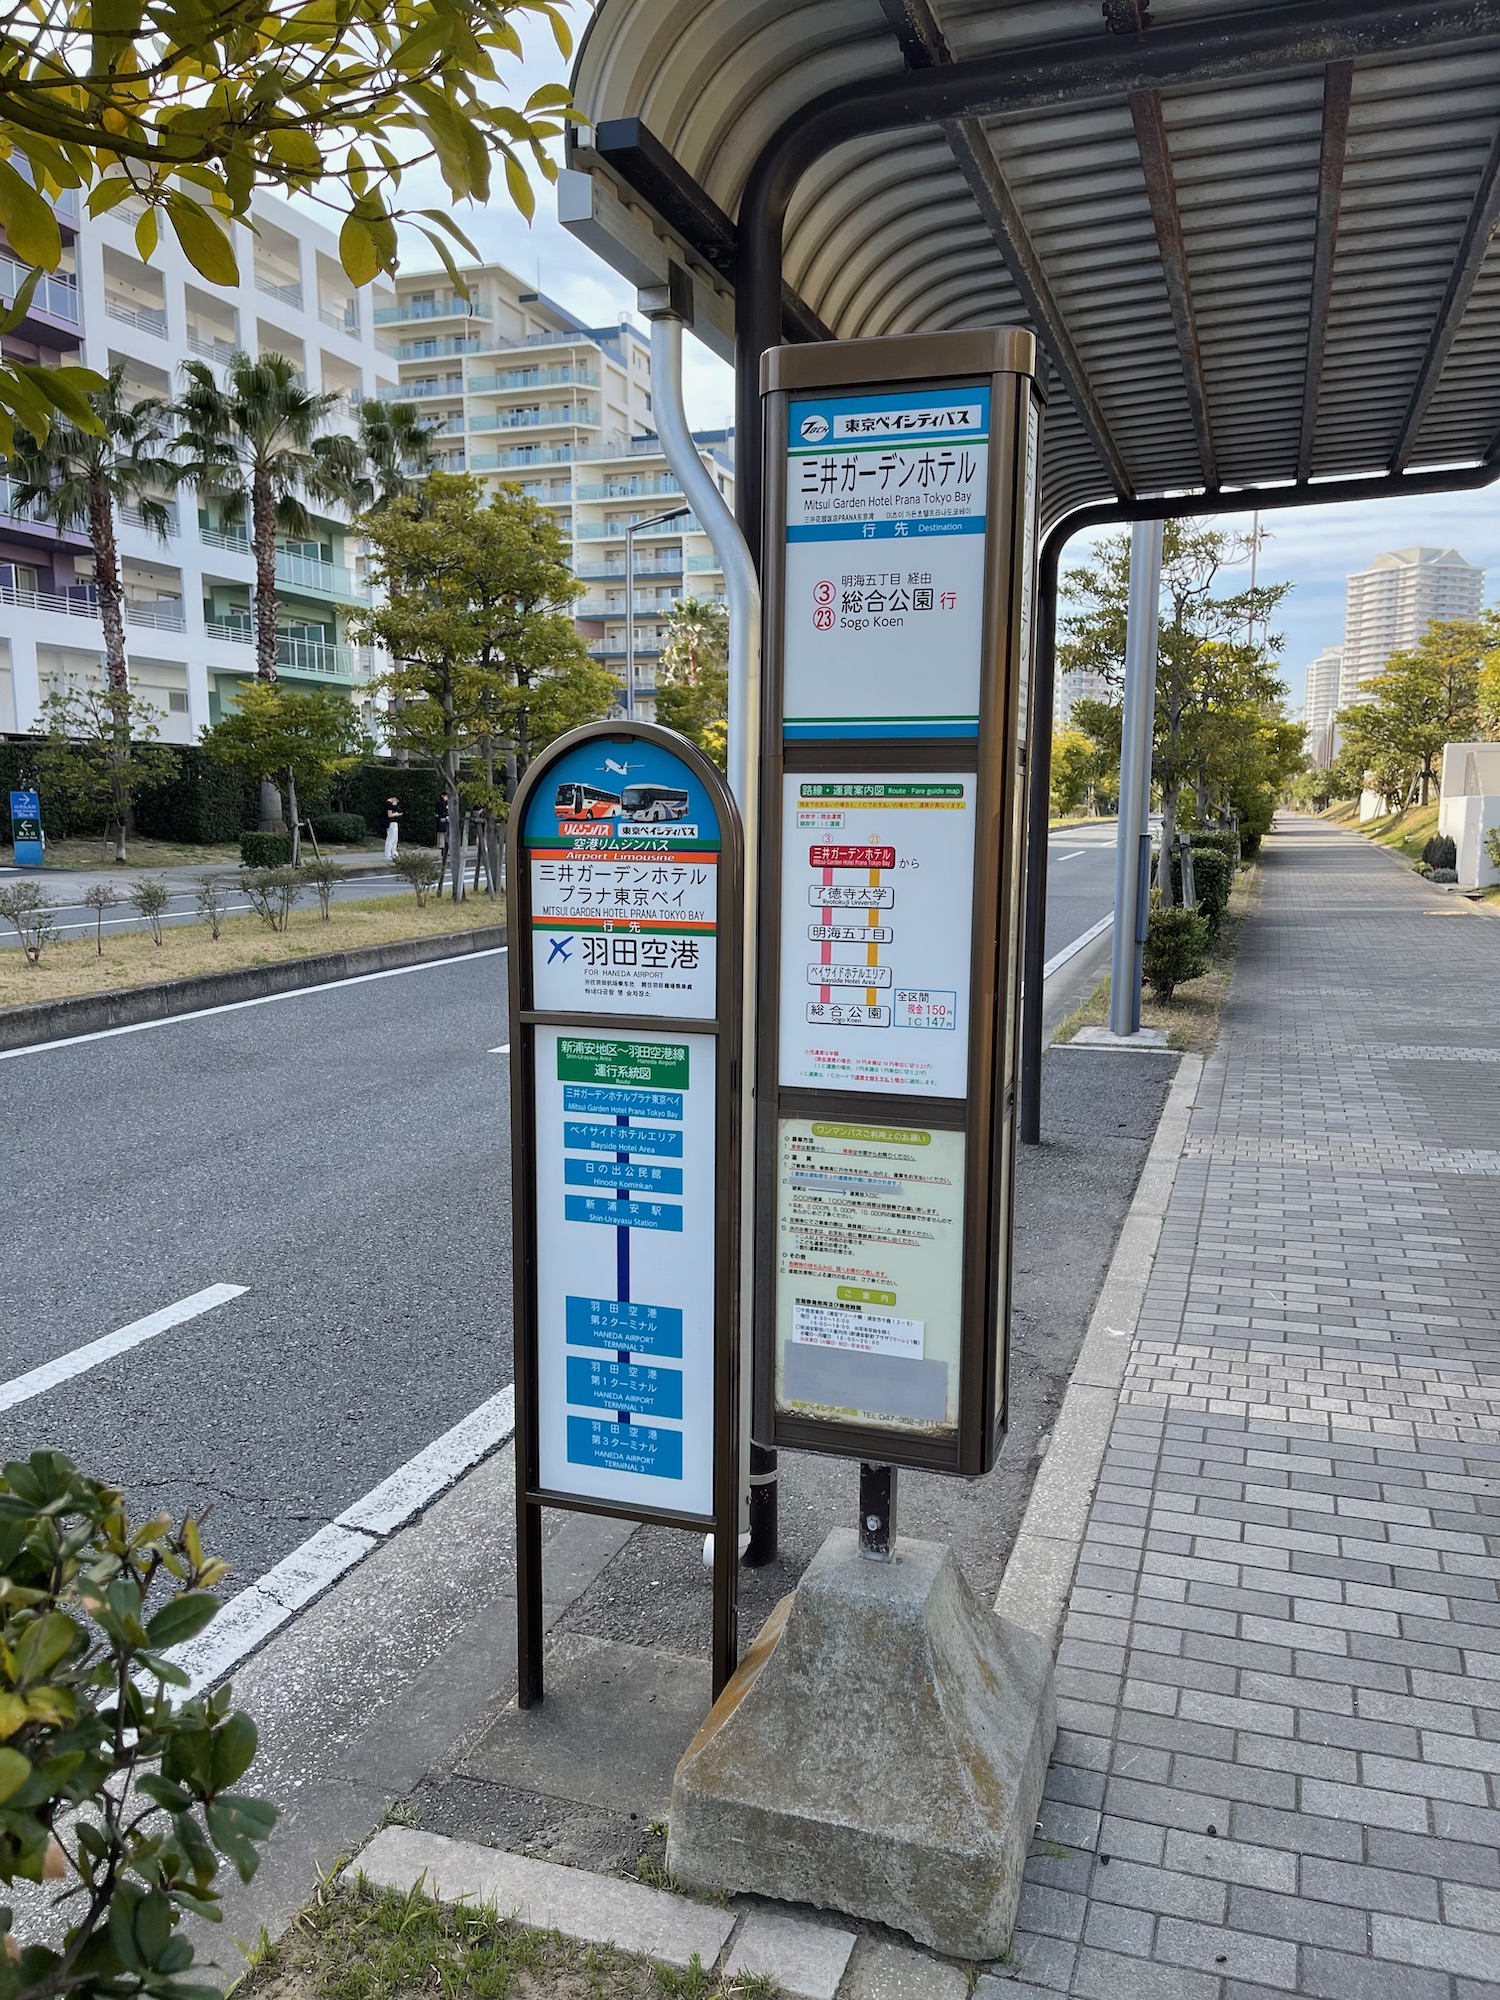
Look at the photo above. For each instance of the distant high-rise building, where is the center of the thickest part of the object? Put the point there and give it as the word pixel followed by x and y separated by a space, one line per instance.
pixel 1391 604
pixel 1079 684
pixel 1321 702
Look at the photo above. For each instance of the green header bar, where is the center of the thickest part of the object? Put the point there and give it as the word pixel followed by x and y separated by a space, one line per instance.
pixel 653 1065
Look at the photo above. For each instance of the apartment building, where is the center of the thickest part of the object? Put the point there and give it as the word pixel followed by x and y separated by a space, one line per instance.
pixel 188 605
pixel 1390 605
pixel 526 393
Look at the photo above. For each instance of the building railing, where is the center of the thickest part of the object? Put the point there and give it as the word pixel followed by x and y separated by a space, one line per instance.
pixel 553 413
pixel 709 563
pixel 160 614
pixel 497 461
pixel 147 319
pixel 79 602
pixel 614 649
pixel 290 294
pixel 308 656
pixel 648 562
pixel 433 349
pixel 532 378
pixel 210 346
pixel 299 572
pixel 235 539
pixel 413 392
pixel 606 531
pixel 346 321
pixel 635 489
pixel 642 604
pixel 132 517
pixel 453 307
pixel 9 506
pixel 55 293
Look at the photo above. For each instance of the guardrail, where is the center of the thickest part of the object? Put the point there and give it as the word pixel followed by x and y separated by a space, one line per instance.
pixel 289 295
pixel 54 294
pixel 148 319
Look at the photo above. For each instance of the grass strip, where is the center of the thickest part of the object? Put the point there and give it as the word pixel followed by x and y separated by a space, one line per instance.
pixel 1191 1016
pixel 355 1942
pixel 187 951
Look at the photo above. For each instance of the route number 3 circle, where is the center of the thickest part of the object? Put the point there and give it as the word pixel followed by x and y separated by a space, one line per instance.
pixel 823 592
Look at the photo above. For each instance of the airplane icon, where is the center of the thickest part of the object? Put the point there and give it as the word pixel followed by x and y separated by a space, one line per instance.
pixel 621 770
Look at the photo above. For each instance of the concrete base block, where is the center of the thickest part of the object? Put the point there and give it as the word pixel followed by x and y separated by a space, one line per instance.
pixel 881 1752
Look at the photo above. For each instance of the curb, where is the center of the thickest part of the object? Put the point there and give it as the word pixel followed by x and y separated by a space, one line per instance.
pixel 1039 1574
pixel 94 1013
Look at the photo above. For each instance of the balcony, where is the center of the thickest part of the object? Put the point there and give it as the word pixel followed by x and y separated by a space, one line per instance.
pixel 650 562
pixel 614 649
pixel 643 606
pixel 235 539
pixel 556 413
pixel 346 321
pixel 633 489
pixel 532 378
pixel 145 319
pixel 452 307
pixel 78 602
pixel 433 349
pixel 298 572
pixel 55 293
pixel 413 392
pixel 286 292
pixel 541 454
pixel 131 517
pixel 296 655
pixel 708 563
pixel 210 346
pixel 162 614
pixel 605 531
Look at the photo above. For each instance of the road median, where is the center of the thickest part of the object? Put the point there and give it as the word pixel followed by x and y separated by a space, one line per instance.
pixel 63 1018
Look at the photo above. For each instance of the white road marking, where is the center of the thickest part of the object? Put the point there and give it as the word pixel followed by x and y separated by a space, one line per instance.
pixel 263 1607
pixel 1060 959
pixel 503 1050
pixel 1077 851
pixel 262 1000
pixel 39 1380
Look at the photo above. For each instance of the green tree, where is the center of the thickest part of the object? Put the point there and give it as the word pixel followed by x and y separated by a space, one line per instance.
pixel 396 450
pixel 1420 700
pixel 1217 690
pixel 253 446
pixel 194 110
pixel 277 734
pixel 78 480
pixel 1488 692
pixel 1078 768
pixel 80 765
pixel 488 665
pixel 692 675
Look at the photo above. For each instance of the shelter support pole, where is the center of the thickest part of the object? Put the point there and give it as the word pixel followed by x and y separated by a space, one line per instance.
pixel 1038 814
pixel 669 308
pixel 1133 842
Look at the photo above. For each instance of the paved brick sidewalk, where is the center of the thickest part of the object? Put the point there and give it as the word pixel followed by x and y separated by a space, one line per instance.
pixel 1278 1769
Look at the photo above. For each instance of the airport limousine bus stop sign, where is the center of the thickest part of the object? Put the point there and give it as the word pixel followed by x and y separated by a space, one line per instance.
pixel 625 898
pixel 899 555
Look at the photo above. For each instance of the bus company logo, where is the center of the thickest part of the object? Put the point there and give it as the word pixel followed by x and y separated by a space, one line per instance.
pixel 814 428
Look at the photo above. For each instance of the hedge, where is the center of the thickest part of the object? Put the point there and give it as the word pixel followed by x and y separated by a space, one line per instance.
pixel 1213 874
pixel 339 828
pixel 265 850
pixel 365 788
pixel 205 804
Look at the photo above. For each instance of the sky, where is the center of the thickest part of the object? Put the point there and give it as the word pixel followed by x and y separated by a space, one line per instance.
pixel 1313 548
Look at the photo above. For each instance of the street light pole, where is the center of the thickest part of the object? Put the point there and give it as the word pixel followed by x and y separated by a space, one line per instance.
pixel 652 521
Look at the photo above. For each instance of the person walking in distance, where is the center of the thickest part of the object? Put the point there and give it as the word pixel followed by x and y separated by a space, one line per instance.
pixel 392 827
pixel 442 828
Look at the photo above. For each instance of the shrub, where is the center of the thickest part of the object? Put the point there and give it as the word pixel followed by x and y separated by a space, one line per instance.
pixel 211 902
pixel 1442 875
pixel 272 893
pixel 29 908
pixel 339 828
pixel 99 897
pixel 423 871
pixel 1213 876
pixel 1176 948
pixel 108 1777
pixel 1492 846
pixel 1441 851
pixel 324 876
pixel 151 897
pixel 265 850
pixel 1213 839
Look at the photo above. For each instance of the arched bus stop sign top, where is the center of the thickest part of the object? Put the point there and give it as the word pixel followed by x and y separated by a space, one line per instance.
pixel 1254 242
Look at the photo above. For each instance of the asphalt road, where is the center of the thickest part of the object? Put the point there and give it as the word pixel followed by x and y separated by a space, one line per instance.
pixel 342 1153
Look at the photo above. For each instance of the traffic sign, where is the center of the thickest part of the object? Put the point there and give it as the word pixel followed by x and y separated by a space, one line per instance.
pixel 625 876
pixel 900 542
pixel 26 829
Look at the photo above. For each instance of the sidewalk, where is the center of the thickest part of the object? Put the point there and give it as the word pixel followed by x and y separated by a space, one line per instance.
pixel 1279 1683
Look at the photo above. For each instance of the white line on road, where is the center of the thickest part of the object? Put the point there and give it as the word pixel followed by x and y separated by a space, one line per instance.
pixel 249 1619
pixel 39 1380
pixel 1060 959
pixel 261 1000
pixel 1070 857
pixel 503 1050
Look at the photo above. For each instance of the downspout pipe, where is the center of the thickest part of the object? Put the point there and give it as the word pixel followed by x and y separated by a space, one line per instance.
pixel 668 308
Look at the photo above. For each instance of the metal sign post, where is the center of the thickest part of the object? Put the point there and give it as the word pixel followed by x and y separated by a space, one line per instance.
pixel 625 987
pixel 26 829
pixel 900 547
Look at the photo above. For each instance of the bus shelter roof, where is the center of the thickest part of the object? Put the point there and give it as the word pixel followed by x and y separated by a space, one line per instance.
pixel 1255 242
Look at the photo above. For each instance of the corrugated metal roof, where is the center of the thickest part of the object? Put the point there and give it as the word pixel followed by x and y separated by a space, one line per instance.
pixel 1250 280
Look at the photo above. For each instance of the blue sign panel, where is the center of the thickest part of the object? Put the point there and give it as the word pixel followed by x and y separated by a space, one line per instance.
pixel 625 1325
pixel 26 828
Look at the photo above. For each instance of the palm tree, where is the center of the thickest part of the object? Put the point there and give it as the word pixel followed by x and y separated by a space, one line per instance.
pixel 253 446
pixel 395 445
pixel 697 640
pixel 78 480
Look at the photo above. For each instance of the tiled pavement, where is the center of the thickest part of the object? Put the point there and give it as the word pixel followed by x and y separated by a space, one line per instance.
pixel 1278 1765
